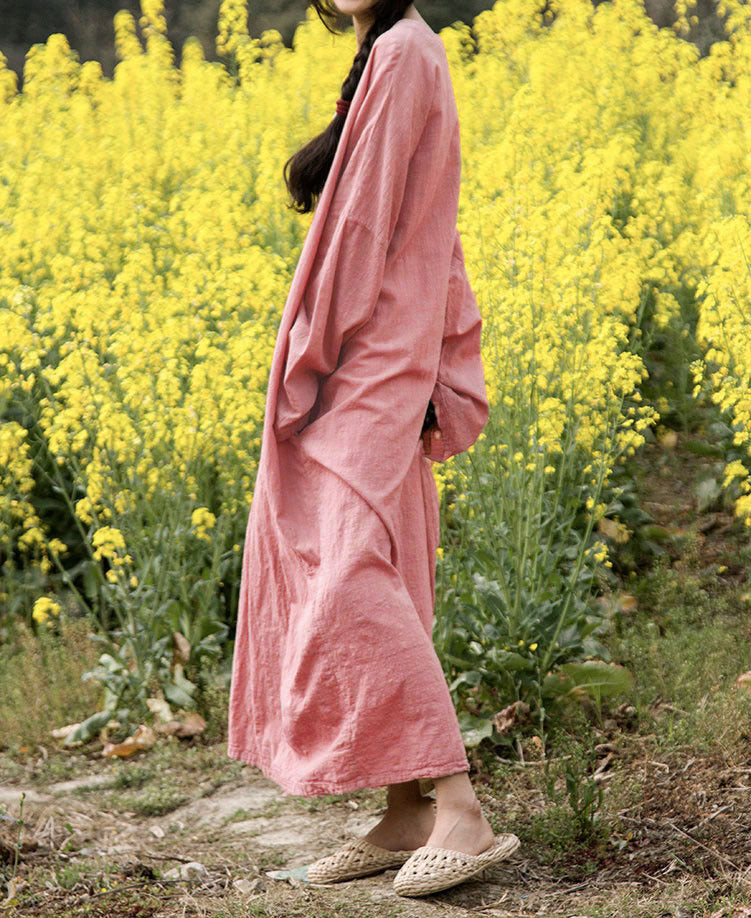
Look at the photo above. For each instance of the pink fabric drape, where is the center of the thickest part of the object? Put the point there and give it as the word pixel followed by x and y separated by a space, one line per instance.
pixel 335 682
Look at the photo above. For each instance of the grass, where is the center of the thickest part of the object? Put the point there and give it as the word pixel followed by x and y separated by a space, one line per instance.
pixel 40 675
pixel 172 775
pixel 687 645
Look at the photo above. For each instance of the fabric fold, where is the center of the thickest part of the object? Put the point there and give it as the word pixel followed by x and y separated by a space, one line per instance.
pixel 459 395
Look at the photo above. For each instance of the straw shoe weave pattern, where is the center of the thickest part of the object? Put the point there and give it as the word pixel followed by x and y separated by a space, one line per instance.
pixel 357 858
pixel 431 869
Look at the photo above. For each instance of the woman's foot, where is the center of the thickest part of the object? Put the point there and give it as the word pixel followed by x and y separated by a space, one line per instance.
pixel 460 824
pixel 407 822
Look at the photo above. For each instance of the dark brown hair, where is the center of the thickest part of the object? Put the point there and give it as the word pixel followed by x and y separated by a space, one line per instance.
pixel 305 172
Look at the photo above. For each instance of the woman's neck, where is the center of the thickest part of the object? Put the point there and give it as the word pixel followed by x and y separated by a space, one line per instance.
pixel 364 21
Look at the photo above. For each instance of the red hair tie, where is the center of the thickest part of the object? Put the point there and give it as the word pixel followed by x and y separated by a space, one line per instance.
pixel 341 106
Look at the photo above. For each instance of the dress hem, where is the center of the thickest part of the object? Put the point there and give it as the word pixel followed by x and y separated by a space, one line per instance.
pixel 318 788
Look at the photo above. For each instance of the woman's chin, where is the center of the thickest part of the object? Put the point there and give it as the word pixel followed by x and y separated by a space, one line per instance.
pixel 353 7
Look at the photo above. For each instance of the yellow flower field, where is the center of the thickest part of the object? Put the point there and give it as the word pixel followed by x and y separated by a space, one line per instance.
pixel 147 247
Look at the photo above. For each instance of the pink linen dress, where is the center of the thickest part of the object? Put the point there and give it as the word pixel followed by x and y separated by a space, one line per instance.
pixel 336 685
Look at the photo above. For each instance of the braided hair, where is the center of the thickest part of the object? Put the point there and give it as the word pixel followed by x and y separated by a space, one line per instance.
pixel 305 172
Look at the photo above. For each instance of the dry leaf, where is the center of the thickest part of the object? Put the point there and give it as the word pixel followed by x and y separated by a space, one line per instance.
pixel 248 887
pixel 170 728
pixel 192 871
pixel 668 440
pixel 143 738
pixel 181 652
pixel 160 707
pixel 191 725
pixel 14 885
pixel 614 530
pixel 627 602
pixel 62 732
pixel 744 681
pixel 511 716
pixel 127 747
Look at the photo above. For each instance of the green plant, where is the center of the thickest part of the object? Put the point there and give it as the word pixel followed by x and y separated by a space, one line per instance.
pixel 17 846
pixel 151 651
pixel 583 792
pixel 515 601
pixel 158 576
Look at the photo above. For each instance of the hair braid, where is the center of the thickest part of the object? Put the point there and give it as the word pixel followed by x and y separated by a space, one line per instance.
pixel 306 171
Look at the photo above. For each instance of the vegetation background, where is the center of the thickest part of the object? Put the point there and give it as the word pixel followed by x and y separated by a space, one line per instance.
pixel 88 24
pixel 594 575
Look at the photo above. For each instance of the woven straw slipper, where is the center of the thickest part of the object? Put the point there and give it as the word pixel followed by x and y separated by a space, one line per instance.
pixel 432 869
pixel 357 858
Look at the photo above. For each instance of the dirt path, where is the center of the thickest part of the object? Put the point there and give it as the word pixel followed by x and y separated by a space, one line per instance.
pixel 84 853
pixel 231 837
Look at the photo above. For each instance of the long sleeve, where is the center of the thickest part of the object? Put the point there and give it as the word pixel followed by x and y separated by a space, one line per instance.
pixel 459 396
pixel 346 275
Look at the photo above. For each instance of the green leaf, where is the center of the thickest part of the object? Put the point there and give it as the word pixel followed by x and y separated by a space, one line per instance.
pixel 469 678
pixel 718 429
pixel 702 448
pixel 91 582
pixel 510 661
pixel 707 492
pixel 88 728
pixel 595 677
pixel 474 729
pixel 180 690
pixel 177 696
pixel 557 685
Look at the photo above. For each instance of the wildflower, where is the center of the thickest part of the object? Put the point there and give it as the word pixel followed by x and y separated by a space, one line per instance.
pixel 202 520
pixel 106 541
pixel 202 516
pixel 43 608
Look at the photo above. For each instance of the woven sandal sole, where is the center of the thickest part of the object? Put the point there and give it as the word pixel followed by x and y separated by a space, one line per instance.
pixel 432 869
pixel 353 860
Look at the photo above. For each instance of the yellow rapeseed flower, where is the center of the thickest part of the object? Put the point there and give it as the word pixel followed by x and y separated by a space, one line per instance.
pixel 44 607
pixel 147 313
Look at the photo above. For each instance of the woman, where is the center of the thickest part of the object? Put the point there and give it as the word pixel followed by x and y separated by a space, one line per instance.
pixel 336 685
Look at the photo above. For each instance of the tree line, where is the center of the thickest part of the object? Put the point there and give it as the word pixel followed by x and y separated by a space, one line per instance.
pixel 88 24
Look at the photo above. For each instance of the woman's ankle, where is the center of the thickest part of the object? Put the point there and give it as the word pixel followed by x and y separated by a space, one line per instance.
pixel 415 811
pixel 404 826
pixel 404 795
pixel 468 809
pixel 456 792
pixel 462 826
